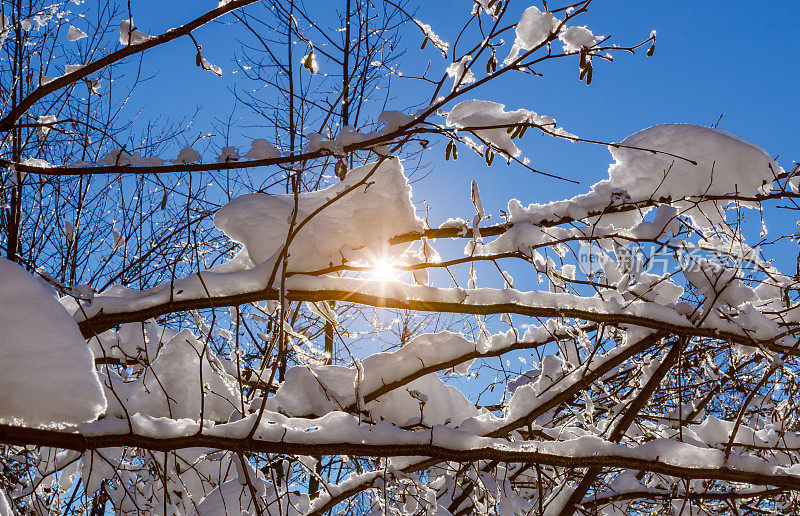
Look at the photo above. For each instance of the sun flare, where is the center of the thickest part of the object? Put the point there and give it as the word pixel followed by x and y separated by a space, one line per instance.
pixel 382 270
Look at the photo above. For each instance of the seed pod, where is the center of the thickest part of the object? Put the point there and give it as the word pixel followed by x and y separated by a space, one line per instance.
pixel 491 64
pixel 308 62
pixel 515 132
pixel 488 156
pixel 424 43
pixel 497 7
pixel 583 58
pixel 448 151
pixel 164 200
pixel 198 59
pixel 340 169
pixel 589 74
pixel 651 50
pixel 522 130
pixel 455 151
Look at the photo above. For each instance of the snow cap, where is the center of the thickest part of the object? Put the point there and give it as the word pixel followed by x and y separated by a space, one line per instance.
pixel 47 372
pixel 355 226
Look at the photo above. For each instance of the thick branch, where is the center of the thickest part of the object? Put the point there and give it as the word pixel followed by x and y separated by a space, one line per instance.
pixel 104 320
pixel 75 441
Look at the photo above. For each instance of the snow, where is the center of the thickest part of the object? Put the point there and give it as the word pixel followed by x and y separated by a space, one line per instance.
pixel 575 38
pixel 348 135
pixel 523 379
pixel 211 67
pixel 478 4
pixel 438 42
pixel 451 222
pixel 309 62
pixel 45 121
pixel 339 427
pixel 171 385
pixel 577 379
pixel 647 314
pixel 666 220
pixel 460 73
pixel 482 113
pixel 330 404
pixel 532 30
pixel 69 230
pixel 118 239
pixel 718 284
pixel 234 495
pixel 121 157
pixel 162 427
pixel 187 155
pixel 318 390
pixel 116 157
pixel 74 33
pixel 474 114
pixel 313 390
pixel 638 175
pixel 5 505
pixel 392 120
pixel 261 222
pixel 195 473
pixel 735 165
pixel 228 154
pixel 5 26
pixel 132 342
pixel 354 479
pixel 128 35
pixel 262 149
pixel 553 381
pixel 46 369
pixel 94 84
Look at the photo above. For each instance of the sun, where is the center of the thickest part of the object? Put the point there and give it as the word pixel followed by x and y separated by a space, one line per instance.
pixel 382 270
